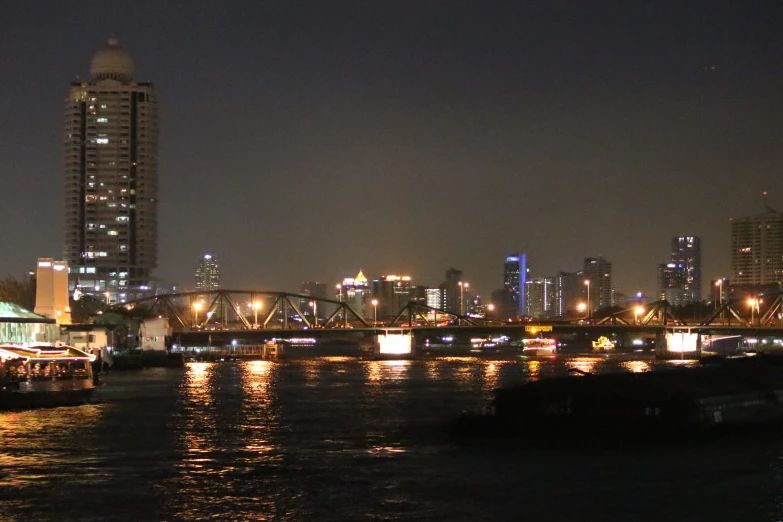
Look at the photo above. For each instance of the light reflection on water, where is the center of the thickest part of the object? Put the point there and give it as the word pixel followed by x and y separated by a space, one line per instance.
pixel 341 439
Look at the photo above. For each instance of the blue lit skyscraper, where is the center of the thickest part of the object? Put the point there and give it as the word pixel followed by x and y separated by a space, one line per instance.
pixel 514 278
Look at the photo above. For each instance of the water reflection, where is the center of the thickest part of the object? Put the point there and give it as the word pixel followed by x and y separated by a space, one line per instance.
pixel 636 366
pixel 384 372
pixel 533 367
pixel 40 446
pixel 491 375
pixel 583 364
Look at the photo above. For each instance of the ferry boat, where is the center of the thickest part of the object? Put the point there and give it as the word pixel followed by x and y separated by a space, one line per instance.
pixel 44 376
pixel 539 347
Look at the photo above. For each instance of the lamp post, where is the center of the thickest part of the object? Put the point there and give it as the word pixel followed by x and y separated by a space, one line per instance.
pixel 719 286
pixel 256 306
pixel 754 307
pixel 340 295
pixel 196 308
pixel 462 287
pixel 375 312
pixel 490 308
pixel 314 305
pixel 589 304
pixel 581 307
pixel 636 312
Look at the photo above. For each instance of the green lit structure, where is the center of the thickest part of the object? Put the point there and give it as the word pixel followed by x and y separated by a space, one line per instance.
pixel 20 326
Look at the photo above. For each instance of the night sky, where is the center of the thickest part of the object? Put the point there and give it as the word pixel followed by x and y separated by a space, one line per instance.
pixel 303 140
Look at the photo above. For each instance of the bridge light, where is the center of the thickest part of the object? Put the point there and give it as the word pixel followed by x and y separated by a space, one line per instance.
pixel 638 310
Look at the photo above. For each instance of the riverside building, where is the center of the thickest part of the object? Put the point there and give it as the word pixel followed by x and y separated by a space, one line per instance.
pixel 111 179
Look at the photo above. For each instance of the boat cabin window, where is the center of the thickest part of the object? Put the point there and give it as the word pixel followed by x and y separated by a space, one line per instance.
pixel 16 370
pixel 62 370
pixel 40 371
pixel 79 369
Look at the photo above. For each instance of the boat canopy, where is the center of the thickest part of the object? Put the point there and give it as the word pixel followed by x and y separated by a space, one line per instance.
pixel 44 353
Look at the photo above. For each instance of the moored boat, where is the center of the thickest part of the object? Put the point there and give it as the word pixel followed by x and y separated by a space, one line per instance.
pixel 44 376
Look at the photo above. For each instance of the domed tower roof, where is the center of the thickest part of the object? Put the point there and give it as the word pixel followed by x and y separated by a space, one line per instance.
pixel 112 62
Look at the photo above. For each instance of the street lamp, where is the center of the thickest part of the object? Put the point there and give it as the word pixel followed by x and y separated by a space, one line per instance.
pixel 375 312
pixel 490 308
pixel 754 307
pixel 196 308
pixel 256 307
pixel 589 304
pixel 636 312
pixel 314 306
pixel 581 307
pixel 340 289
pixel 719 285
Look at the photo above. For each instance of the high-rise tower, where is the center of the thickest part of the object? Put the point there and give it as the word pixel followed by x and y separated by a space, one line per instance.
pixel 111 178
pixel 207 274
pixel 757 249
pixel 679 280
pixel 597 274
pixel 515 273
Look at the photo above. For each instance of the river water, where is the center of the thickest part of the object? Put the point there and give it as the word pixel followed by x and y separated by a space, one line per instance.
pixel 343 439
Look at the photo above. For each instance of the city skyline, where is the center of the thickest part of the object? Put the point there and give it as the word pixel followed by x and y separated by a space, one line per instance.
pixel 475 116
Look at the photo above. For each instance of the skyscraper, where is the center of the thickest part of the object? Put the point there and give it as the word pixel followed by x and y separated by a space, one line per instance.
pixel 450 291
pixel 514 279
pixel 568 293
pixel 672 284
pixel 540 297
pixel 392 293
pixel 598 272
pixel 207 274
pixel 686 254
pixel 111 178
pixel 757 249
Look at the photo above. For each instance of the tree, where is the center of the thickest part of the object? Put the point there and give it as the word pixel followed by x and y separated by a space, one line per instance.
pixel 86 307
pixel 18 291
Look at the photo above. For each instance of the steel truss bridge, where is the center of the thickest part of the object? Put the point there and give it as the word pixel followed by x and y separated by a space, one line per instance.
pixel 225 317
pixel 259 309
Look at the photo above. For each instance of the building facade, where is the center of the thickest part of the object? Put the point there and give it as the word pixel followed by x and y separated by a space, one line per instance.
pixel 355 291
pixel 757 250
pixel 452 291
pixel 569 292
pixel 392 292
pixel 540 297
pixel 515 272
pixel 672 284
pixel 207 275
pixel 51 290
pixel 111 178
pixel 310 308
pixel 597 275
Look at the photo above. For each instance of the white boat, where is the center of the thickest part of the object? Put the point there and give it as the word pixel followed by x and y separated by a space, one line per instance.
pixel 539 347
pixel 44 376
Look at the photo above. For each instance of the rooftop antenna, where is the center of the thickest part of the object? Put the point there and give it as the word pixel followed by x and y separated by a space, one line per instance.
pixel 766 203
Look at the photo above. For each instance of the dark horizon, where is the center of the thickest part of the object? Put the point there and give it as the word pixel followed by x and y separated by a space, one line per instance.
pixel 304 141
